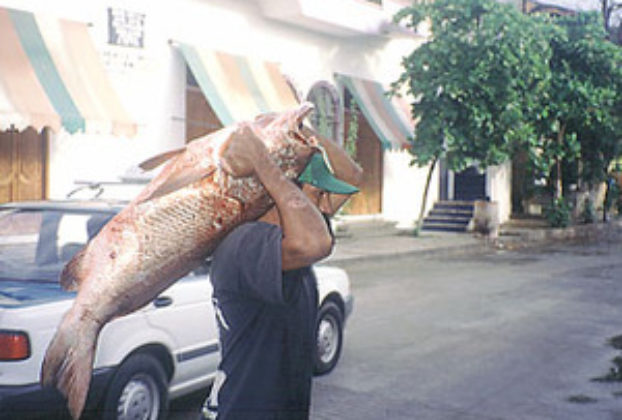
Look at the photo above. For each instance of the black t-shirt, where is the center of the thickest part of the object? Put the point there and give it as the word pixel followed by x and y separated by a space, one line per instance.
pixel 266 321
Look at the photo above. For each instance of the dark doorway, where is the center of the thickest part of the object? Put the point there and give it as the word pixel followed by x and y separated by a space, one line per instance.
pixel 469 185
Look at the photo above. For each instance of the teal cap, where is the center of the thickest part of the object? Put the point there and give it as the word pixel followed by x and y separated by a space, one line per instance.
pixel 319 174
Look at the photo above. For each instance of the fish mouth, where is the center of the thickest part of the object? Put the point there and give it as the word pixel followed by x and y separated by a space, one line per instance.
pixel 298 130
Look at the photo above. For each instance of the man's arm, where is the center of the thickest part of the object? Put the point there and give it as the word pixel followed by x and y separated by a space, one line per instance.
pixel 345 168
pixel 306 238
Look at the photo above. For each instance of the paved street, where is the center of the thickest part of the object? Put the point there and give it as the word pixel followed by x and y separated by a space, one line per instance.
pixel 503 335
pixel 506 335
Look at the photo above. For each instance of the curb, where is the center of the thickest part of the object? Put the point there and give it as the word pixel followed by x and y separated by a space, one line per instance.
pixel 480 246
pixel 507 241
pixel 578 233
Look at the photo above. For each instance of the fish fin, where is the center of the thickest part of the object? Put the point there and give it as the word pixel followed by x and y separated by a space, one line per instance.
pixel 72 274
pixel 157 160
pixel 179 179
pixel 68 362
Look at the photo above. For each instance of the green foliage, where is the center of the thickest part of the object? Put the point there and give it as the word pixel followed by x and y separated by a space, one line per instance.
pixel 582 114
pixel 493 82
pixel 558 213
pixel 353 130
pixel 476 82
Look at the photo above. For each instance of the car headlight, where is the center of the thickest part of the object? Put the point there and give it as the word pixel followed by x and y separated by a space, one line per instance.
pixel 14 345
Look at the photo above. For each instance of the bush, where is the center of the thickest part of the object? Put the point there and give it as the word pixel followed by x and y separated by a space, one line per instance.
pixel 558 213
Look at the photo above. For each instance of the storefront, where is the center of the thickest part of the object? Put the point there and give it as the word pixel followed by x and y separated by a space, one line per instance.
pixel 157 74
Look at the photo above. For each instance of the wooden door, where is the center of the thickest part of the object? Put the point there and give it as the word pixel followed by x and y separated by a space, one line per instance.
pixel 369 156
pixel 22 165
pixel 200 117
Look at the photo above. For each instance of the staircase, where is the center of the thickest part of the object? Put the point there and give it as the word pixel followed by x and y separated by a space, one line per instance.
pixel 449 216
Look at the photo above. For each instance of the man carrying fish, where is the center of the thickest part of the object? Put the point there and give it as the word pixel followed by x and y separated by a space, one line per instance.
pixel 204 191
pixel 265 293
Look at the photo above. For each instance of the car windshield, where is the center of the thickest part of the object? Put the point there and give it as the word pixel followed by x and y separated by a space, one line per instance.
pixel 35 244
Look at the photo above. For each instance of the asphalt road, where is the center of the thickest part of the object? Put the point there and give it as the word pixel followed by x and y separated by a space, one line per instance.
pixel 506 335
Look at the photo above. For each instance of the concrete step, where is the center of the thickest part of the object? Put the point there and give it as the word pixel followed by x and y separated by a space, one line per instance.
pixel 454 220
pixel 443 227
pixel 454 205
pixel 449 216
pixel 459 214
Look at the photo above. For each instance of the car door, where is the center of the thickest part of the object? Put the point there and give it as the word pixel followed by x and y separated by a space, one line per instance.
pixel 185 313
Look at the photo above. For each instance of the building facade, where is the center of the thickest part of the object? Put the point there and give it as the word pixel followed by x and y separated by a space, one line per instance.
pixel 159 60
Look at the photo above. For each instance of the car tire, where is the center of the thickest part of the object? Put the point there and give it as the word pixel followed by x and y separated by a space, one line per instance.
pixel 329 338
pixel 138 390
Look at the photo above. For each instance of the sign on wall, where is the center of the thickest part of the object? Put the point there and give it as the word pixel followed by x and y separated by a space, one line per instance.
pixel 126 28
pixel 126 41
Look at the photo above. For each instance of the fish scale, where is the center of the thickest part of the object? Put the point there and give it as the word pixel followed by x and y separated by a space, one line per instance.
pixel 173 224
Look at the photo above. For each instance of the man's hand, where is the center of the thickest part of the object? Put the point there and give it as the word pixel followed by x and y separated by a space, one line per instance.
pixel 242 150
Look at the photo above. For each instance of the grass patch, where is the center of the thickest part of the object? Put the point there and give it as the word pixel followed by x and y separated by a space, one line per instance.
pixel 582 399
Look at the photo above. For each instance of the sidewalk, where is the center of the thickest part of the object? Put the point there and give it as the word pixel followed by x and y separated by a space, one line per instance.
pixel 373 241
pixel 358 248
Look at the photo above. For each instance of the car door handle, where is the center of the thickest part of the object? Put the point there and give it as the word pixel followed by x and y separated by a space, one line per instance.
pixel 162 301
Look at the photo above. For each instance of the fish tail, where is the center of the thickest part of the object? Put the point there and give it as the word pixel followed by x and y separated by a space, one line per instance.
pixel 68 362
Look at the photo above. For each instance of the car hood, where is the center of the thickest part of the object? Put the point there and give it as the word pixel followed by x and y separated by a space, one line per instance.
pixel 18 293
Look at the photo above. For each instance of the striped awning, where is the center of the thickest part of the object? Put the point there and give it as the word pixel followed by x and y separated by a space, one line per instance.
pixel 238 88
pixel 389 117
pixel 52 76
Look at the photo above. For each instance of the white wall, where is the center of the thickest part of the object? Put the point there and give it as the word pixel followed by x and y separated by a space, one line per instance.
pixel 150 82
pixel 499 188
pixel 403 187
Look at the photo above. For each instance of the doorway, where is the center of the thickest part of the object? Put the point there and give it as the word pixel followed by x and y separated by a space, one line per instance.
pixel 23 165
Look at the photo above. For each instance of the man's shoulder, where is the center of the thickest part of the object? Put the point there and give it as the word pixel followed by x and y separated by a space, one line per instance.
pixel 247 233
pixel 253 228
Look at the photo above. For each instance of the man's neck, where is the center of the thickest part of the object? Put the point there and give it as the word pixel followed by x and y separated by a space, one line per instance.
pixel 271 216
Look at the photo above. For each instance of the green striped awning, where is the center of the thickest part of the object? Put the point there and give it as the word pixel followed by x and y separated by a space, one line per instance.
pixel 51 75
pixel 238 88
pixel 389 117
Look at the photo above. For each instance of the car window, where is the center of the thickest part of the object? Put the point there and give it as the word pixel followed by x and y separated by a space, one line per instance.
pixel 36 244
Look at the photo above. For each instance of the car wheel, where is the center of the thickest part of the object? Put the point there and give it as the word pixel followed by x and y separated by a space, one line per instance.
pixel 329 338
pixel 138 390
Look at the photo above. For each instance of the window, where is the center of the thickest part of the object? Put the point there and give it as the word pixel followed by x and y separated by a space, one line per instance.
pixel 326 118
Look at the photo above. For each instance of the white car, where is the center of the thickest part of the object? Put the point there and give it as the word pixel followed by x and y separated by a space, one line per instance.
pixel 165 350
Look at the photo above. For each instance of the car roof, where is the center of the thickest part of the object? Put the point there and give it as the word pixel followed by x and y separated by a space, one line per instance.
pixel 99 206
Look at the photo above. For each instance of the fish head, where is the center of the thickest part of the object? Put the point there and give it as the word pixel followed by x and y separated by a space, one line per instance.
pixel 290 140
pixel 288 126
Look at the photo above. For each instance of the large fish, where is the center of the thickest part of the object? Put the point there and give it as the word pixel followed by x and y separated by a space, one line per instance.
pixel 172 225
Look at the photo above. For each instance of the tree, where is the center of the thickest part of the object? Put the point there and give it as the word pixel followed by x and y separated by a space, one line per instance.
pixel 581 114
pixel 475 83
pixel 590 72
pixel 611 11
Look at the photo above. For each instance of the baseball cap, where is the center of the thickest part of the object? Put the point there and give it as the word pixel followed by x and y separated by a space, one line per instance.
pixel 319 174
